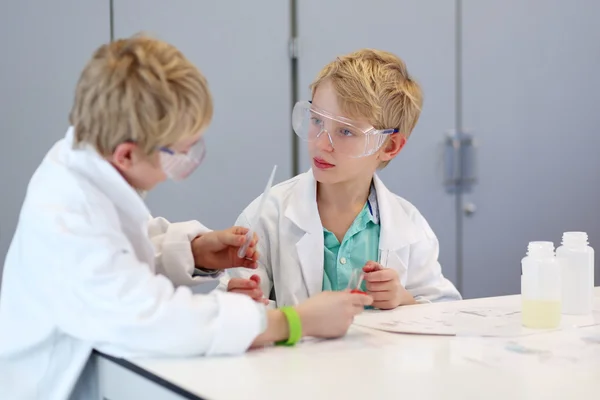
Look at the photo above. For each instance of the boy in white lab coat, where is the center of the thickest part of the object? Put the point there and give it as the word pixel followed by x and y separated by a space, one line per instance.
pixel 320 227
pixel 82 272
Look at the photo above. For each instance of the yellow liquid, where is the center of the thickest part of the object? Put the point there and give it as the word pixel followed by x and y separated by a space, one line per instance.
pixel 540 314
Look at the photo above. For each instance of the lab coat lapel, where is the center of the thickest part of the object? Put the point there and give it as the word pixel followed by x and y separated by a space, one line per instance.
pixel 303 212
pixel 397 233
pixel 89 164
pixel 132 210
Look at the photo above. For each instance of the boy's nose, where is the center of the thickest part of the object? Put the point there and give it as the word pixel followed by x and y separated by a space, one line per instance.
pixel 324 141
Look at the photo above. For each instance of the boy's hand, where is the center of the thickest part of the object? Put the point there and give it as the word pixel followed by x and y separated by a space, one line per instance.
pixel 330 314
pixel 383 284
pixel 249 287
pixel 218 249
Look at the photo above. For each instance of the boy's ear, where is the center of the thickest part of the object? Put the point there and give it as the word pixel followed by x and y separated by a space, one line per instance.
pixel 123 156
pixel 393 145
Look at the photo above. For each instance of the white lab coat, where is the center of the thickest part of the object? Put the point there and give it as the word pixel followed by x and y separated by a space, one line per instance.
pixel 81 274
pixel 291 244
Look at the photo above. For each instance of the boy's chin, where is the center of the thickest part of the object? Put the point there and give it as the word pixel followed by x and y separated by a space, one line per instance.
pixel 326 177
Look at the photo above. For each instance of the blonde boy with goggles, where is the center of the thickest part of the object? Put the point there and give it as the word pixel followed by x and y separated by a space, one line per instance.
pixel 88 268
pixel 332 223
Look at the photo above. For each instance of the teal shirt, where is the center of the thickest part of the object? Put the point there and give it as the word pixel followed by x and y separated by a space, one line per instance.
pixel 360 244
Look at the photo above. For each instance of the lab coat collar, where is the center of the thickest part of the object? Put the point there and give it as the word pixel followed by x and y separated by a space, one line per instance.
pixel 303 212
pixel 302 209
pixel 88 163
pixel 397 229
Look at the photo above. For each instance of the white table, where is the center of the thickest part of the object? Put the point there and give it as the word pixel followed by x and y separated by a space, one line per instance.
pixel 366 364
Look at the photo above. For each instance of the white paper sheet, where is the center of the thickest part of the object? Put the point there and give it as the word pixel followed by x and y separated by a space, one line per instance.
pixel 460 320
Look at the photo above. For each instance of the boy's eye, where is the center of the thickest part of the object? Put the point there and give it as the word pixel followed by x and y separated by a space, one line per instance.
pixel 346 132
pixel 316 121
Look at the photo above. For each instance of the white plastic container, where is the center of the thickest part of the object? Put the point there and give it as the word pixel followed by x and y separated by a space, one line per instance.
pixel 540 287
pixel 576 260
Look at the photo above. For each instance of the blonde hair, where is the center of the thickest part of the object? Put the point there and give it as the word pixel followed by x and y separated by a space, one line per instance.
pixel 141 90
pixel 375 85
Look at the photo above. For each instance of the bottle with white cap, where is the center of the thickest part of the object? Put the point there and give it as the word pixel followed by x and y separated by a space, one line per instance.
pixel 540 287
pixel 576 260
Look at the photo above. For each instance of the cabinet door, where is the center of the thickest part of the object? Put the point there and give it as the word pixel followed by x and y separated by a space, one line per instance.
pixel 45 45
pixel 531 91
pixel 423 35
pixel 242 49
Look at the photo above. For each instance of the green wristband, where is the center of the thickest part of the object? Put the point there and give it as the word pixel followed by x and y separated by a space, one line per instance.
pixel 295 326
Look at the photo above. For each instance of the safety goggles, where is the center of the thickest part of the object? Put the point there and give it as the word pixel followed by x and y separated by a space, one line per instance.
pixel 179 166
pixel 344 135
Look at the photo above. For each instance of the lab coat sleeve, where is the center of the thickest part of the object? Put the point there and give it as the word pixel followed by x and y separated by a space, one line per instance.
pixel 101 293
pixel 264 266
pixel 426 282
pixel 174 258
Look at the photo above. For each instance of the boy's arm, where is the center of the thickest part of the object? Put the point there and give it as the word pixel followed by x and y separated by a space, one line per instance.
pixel 173 251
pixel 101 293
pixel 426 282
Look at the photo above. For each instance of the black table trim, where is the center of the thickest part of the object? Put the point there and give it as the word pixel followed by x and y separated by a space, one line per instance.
pixel 150 376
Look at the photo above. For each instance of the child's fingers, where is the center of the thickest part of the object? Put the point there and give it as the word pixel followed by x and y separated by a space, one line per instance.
pixel 380 286
pixel 384 305
pixel 248 262
pixel 251 253
pixel 255 294
pixel 379 297
pixel 383 275
pixel 239 230
pixel 232 237
pixel 240 283
pixel 372 266
pixel 255 278
pixel 361 300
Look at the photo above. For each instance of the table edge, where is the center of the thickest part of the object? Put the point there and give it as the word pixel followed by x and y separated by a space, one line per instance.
pixel 150 376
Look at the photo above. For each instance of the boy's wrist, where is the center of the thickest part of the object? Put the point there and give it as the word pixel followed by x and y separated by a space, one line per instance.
pixel 277 328
pixel 307 328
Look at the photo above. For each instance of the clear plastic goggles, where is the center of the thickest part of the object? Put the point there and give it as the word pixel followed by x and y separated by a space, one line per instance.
pixel 179 166
pixel 344 135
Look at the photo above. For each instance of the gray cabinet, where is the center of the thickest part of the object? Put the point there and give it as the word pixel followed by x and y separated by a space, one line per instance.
pixel 531 96
pixel 44 48
pixel 242 49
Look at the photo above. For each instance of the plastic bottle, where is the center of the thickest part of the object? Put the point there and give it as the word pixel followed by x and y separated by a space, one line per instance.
pixel 540 287
pixel 576 260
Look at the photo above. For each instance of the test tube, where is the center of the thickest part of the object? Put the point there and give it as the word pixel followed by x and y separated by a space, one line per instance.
pixel 356 278
pixel 242 250
pixel 383 257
